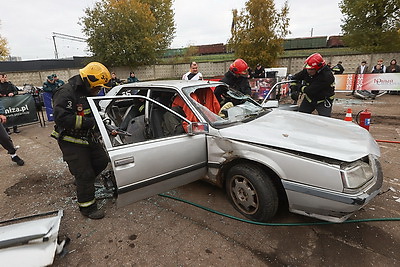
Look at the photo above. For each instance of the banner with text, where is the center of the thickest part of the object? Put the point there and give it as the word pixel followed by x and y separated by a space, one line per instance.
pixel 373 81
pixel 19 109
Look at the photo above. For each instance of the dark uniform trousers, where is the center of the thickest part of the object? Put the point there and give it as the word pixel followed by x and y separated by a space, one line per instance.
pixel 6 141
pixel 323 108
pixel 85 162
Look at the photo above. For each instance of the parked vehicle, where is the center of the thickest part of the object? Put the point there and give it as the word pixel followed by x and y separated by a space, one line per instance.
pixel 264 158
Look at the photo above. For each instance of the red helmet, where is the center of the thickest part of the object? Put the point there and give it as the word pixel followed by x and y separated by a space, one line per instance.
pixel 315 61
pixel 239 66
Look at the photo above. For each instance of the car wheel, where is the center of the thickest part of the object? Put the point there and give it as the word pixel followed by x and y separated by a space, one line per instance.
pixel 252 192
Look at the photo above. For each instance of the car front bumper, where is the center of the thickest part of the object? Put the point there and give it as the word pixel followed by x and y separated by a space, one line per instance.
pixel 331 205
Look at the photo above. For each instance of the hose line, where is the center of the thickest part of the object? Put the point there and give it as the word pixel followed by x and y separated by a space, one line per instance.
pixel 276 224
pixel 388 141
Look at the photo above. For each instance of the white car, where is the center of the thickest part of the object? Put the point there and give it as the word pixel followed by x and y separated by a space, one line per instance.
pixel 163 134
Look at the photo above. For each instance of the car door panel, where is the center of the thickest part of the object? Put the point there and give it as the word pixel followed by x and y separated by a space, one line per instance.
pixel 144 169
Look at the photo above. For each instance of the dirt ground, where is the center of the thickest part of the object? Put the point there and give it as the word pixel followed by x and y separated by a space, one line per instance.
pixel 162 232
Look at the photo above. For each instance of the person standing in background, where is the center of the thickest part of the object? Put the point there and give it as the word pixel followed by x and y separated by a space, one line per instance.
pixel 49 85
pixel 393 67
pixel 381 67
pixel 259 71
pixel 132 78
pixel 363 68
pixel 193 73
pixel 114 80
pixel 57 81
pixel 338 68
pixel 7 89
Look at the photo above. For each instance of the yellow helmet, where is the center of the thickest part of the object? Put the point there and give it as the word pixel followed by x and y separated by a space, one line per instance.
pixel 96 74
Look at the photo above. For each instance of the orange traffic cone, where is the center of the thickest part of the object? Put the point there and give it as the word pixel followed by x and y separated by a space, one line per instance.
pixel 348 115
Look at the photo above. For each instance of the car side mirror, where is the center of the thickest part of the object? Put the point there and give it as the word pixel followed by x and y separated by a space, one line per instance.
pixel 271 104
pixel 197 128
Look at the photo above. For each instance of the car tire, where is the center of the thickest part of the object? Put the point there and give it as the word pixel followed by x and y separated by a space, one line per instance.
pixel 252 192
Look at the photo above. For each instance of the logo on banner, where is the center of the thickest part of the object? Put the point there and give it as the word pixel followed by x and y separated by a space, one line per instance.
pixel 16 111
pixel 19 109
pixel 380 81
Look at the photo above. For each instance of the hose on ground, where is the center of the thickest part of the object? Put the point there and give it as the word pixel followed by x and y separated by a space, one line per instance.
pixel 277 224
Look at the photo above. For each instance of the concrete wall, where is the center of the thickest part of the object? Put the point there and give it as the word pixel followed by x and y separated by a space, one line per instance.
pixel 349 62
pixel 208 69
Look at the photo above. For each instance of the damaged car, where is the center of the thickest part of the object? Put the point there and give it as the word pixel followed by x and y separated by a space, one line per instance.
pixel 163 134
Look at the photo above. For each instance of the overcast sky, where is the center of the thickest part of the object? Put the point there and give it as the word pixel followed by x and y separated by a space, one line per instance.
pixel 28 24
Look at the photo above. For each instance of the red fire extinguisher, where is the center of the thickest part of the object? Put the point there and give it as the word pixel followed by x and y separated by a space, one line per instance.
pixel 363 119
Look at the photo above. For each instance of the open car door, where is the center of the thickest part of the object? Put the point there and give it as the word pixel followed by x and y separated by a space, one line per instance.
pixel 144 159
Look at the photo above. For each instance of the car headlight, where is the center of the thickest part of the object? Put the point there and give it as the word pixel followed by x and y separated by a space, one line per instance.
pixel 356 174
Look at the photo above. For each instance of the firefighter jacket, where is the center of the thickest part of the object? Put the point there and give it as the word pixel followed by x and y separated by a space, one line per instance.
pixel 74 121
pixel 239 83
pixel 319 87
pixel 338 69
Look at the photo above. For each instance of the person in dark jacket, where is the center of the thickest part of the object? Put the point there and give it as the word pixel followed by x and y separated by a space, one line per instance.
pixel 132 78
pixel 317 85
pixel 115 80
pixel 57 80
pixel 5 140
pixel 237 78
pixel 393 67
pixel 338 68
pixel 259 71
pixel 7 89
pixel 378 68
pixel 75 131
pixel 50 84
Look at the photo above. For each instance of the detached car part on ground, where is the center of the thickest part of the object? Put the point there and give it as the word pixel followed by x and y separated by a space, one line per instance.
pixel 30 241
pixel 264 158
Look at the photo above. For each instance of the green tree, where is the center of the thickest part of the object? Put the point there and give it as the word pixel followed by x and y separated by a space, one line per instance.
pixel 128 32
pixel 371 25
pixel 4 51
pixel 258 32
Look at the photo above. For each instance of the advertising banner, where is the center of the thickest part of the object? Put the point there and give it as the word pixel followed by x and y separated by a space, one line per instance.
pixel 19 109
pixel 379 81
pixel 260 88
pixel 373 81
pixel 344 82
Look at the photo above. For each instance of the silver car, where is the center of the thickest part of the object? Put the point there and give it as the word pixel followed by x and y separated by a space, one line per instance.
pixel 163 134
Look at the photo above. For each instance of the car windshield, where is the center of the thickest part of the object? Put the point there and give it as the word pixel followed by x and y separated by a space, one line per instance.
pixel 234 106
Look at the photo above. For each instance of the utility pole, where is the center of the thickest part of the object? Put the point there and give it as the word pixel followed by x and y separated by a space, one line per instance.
pixel 66 37
pixel 55 47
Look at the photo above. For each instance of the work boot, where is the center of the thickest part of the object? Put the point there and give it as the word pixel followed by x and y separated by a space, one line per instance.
pixel 18 160
pixel 92 212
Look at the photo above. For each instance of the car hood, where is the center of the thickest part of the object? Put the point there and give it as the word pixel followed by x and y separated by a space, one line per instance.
pixel 317 135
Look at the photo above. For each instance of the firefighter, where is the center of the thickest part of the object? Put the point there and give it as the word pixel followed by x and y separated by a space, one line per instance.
pixel 237 78
pixel 317 85
pixel 75 131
